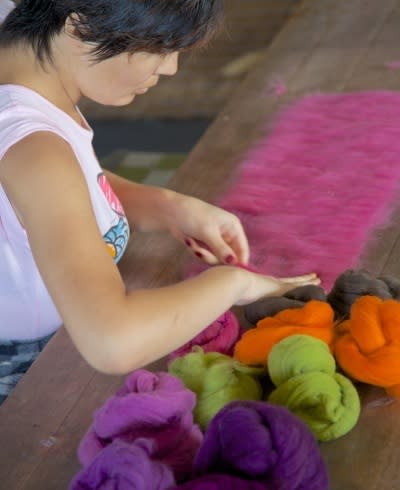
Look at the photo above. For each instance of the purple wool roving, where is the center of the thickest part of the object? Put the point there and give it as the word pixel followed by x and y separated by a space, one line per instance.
pixel 219 482
pixel 125 466
pixel 153 406
pixel 262 442
pixel 220 336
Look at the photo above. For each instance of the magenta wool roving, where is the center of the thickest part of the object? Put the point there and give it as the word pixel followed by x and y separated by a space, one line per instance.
pixel 154 406
pixel 263 442
pixel 124 466
pixel 220 336
pixel 312 191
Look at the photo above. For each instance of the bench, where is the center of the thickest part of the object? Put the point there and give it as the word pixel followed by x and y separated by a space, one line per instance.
pixel 327 45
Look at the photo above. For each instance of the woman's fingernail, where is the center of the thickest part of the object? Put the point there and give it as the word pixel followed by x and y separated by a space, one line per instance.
pixel 199 255
pixel 188 242
pixel 229 259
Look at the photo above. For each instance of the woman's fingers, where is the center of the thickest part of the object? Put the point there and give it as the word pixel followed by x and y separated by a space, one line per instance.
pixel 201 251
pixel 239 243
pixel 214 252
pixel 306 279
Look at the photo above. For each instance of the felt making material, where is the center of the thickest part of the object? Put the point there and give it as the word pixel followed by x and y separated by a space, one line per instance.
pixel 311 192
pixel 221 482
pixel 149 405
pixel 355 283
pixel 269 306
pixel 297 355
pixel 315 318
pixel 306 293
pixel 262 442
pixel 123 466
pixel 217 380
pixel 272 305
pixel 220 336
pixel 304 372
pixel 368 348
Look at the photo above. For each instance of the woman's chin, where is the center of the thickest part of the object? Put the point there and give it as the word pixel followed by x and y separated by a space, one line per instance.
pixel 127 99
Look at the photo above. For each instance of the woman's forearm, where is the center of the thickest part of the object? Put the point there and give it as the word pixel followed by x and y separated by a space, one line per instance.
pixel 146 207
pixel 151 323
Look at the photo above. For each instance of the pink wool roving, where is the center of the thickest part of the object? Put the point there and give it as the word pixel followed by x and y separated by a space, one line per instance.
pixel 311 193
pixel 153 406
pixel 220 336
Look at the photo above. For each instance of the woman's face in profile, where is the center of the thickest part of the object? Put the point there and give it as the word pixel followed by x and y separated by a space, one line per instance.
pixel 118 80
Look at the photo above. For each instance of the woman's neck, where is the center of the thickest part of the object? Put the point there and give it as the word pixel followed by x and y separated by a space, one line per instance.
pixel 21 67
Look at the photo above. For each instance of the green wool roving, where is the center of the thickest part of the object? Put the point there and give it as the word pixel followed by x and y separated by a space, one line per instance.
pixel 303 370
pixel 299 354
pixel 217 380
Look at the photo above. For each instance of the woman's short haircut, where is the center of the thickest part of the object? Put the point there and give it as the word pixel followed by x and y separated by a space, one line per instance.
pixel 114 26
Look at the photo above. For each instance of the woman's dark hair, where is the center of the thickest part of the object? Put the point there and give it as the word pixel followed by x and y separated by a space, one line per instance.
pixel 114 26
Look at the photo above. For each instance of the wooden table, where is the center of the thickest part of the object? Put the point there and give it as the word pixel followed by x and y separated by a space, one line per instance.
pixel 327 45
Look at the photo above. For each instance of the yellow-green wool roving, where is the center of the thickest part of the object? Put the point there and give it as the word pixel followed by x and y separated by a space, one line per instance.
pixel 303 370
pixel 217 380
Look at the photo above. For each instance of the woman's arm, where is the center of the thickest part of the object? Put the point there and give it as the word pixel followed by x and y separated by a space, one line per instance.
pixel 115 332
pixel 211 233
pixel 146 207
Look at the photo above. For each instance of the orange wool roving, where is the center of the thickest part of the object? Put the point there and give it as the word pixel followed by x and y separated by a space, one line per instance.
pixel 315 318
pixel 368 345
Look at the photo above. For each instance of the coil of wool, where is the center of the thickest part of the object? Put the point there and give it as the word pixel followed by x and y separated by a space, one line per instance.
pixel 219 482
pixel 265 443
pixel 217 380
pixel 393 283
pixel 304 372
pixel 153 406
pixel 368 347
pixel 125 466
pixel 307 293
pixel 220 336
pixel 296 298
pixel 352 284
pixel 315 318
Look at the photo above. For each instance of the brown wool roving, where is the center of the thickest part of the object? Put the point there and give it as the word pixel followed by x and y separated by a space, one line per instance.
pixel 296 298
pixel 352 284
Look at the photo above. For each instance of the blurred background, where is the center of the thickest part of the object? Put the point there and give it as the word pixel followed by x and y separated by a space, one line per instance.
pixel 148 139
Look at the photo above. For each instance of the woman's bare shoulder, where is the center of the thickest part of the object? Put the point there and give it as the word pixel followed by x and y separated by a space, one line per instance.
pixel 31 162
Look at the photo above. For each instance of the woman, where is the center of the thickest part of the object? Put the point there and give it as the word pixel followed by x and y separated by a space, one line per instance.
pixel 64 223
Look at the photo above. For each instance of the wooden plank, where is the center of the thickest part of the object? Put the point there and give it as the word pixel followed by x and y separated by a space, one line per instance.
pixel 47 429
pixel 383 252
pixel 367 457
pixel 35 407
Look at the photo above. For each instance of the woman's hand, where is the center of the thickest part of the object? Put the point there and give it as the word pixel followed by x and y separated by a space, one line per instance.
pixel 211 233
pixel 259 286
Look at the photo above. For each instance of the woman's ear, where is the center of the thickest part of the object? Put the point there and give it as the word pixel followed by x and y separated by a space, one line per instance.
pixel 71 25
pixel 73 28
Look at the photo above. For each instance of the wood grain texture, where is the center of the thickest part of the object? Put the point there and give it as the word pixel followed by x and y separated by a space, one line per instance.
pixel 329 45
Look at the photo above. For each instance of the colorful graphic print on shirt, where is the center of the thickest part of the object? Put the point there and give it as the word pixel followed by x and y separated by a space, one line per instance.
pixel 117 236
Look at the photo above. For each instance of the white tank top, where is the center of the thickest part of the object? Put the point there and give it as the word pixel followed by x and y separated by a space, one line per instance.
pixel 26 308
pixel 5 8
